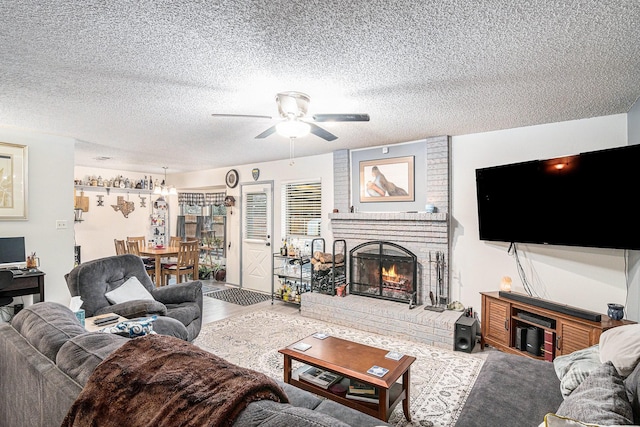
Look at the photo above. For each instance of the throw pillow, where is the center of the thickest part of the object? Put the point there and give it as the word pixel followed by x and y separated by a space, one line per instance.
pixel 573 368
pixel 621 346
pixel 130 290
pixel 600 399
pixel 553 420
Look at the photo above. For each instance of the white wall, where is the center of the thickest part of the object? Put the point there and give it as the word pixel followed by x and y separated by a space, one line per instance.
pixel 304 168
pixel 102 224
pixel 583 277
pixel 50 198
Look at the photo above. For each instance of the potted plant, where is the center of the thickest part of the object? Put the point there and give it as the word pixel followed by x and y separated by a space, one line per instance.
pixel 219 271
pixel 204 272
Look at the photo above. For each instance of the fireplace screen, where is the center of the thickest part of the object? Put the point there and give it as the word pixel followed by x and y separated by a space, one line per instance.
pixel 383 270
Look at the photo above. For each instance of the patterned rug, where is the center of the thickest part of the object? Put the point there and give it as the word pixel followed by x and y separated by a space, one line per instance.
pixel 440 379
pixel 238 296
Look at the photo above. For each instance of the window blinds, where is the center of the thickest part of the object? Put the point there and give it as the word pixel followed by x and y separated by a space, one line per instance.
pixel 302 208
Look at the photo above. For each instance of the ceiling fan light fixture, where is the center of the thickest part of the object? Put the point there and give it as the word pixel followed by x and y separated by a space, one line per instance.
pixel 293 128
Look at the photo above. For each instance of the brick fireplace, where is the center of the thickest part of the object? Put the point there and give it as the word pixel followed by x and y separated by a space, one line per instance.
pixel 423 234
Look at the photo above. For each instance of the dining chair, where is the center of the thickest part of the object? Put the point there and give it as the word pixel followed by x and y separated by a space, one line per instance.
pixel 121 247
pixel 141 244
pixel 133 247
pixel 187 262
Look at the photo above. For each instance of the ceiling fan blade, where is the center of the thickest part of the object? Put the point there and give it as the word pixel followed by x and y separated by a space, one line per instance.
pixel 340 117
pixel 318 131
pixel 244 116
pixel 267 132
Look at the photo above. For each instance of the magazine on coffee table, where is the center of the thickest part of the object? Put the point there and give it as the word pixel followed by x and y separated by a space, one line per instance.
pixel 319 377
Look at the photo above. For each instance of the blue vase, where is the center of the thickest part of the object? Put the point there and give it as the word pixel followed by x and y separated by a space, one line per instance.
pixel 615 311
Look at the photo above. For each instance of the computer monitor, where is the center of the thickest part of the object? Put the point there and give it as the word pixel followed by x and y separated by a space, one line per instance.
pixel 12 252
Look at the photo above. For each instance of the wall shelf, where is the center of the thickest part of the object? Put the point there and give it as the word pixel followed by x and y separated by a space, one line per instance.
pixel 108 190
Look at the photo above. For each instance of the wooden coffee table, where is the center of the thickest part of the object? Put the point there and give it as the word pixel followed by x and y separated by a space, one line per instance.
pixel 352 360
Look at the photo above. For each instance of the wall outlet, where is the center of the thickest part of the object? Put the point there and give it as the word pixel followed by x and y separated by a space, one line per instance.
pixel 17 308
pixel 61 224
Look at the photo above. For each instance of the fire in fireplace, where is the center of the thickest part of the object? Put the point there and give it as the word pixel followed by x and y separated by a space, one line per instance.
pixel 383 270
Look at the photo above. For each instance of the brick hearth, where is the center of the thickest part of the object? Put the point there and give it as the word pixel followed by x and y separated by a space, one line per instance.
pixel 383 317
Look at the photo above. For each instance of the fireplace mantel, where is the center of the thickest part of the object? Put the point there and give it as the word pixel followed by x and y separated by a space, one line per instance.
pixel 390 216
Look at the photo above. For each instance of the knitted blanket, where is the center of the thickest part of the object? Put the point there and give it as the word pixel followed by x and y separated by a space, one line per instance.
pixel 162 381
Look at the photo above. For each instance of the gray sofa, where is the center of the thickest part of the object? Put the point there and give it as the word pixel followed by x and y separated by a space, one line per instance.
pixel 47 357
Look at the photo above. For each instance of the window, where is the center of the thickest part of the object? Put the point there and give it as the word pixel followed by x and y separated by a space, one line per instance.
pixel 301 208
pixel 256 216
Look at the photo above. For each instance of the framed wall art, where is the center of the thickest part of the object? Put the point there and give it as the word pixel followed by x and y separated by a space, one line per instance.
pixel 13 181
pixel 387 180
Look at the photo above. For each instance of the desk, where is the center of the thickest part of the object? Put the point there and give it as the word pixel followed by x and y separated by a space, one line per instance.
pixel 158 253
pixel 25 284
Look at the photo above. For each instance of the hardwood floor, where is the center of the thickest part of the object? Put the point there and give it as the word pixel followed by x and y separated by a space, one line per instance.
pixel 215 309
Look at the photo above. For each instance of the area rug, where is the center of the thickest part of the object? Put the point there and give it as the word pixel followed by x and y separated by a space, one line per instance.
pixel 238 296
pixel 440 379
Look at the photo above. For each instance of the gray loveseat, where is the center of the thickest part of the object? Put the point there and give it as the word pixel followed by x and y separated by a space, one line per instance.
pixel 47 357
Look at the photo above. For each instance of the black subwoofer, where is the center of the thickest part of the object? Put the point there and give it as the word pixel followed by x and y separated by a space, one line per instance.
pixel 465 334
pixel 534 340
pixel 521 338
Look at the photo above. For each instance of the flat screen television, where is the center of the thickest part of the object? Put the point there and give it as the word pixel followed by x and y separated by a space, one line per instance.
pixel 588 199
pixel 12 252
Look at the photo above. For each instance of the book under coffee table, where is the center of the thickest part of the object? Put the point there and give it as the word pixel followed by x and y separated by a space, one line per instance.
pixel 352 361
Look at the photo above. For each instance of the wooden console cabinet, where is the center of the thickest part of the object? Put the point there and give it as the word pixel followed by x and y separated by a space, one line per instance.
pixel 502 316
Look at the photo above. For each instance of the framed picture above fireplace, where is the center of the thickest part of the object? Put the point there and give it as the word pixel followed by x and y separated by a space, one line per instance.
pixel 387 180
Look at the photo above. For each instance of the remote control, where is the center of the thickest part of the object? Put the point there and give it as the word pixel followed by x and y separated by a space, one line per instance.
pixel 105 320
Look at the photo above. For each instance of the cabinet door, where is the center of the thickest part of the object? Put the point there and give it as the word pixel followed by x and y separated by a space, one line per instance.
pixel 497 321
pixel 571 337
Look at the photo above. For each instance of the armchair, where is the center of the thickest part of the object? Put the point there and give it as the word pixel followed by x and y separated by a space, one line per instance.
pixel 182 302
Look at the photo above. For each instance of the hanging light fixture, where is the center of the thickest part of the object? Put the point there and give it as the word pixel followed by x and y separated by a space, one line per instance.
pixel 293 128
pixel 164 189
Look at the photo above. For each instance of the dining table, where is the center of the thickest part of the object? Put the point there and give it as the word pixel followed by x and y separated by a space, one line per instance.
pixel 158 252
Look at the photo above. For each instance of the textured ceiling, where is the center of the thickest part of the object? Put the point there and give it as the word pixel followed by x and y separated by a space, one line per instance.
pixel 137 81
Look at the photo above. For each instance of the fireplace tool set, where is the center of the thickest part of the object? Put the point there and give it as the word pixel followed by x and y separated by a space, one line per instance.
pixel 437 301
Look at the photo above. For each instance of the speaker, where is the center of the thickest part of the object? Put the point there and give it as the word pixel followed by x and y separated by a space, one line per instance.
pixel 465 334
pixel 534 340
pixel 521 338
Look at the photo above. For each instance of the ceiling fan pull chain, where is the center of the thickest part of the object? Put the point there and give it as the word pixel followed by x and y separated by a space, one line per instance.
pixel 291 153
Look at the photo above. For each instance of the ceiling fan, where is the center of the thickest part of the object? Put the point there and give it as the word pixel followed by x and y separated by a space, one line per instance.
pixel 293 107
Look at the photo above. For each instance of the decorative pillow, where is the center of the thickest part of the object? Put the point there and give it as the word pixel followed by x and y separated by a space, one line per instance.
pixel 621 346
pixel 133 328
pixel 130 290
pixel 600 399
pixel 553 420
pixel 573 368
